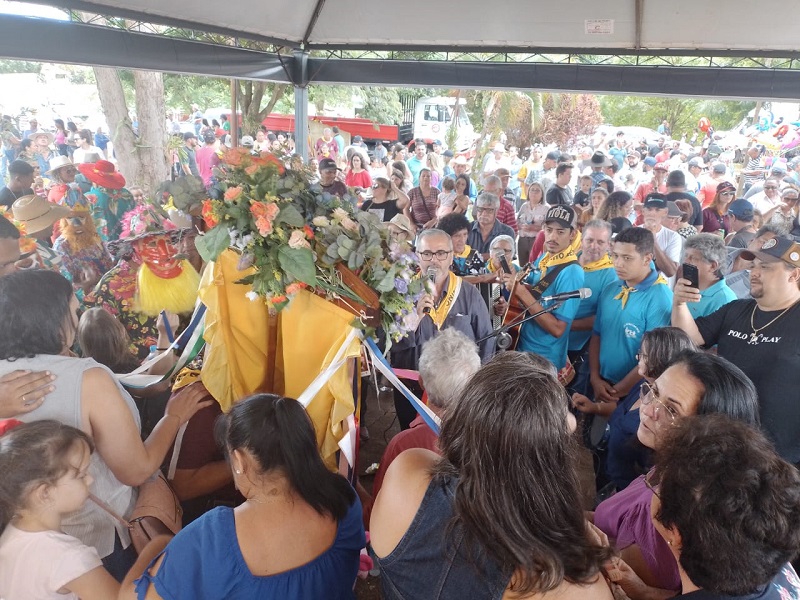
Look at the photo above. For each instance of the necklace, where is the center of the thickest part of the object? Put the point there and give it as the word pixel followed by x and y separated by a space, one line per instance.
pixel 754 335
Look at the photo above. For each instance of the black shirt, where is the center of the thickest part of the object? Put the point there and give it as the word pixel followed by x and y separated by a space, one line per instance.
pixel 770 358
pixel 385 210
pixel 783 585
pixel 7 197
pixel 581 198
pixel 558 195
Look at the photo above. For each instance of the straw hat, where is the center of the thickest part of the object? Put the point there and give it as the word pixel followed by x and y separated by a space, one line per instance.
pixel 36 213
pixel 58 162
pixel 38 134
pixel 103 174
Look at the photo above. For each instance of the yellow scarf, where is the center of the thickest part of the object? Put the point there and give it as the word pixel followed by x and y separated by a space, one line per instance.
pixel 466 252
pixel 439 313
pixel 567 255
pixel 626 291
pixel 599 265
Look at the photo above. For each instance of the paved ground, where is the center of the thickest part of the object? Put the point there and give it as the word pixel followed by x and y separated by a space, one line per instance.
pixel 382 424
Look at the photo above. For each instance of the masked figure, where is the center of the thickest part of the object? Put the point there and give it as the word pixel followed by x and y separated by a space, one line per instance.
pixel 82 251
pixel 150 276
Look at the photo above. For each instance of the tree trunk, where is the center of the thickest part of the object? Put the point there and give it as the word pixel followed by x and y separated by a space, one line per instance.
pixel 141 160
pixel 251 94
pixel 151 113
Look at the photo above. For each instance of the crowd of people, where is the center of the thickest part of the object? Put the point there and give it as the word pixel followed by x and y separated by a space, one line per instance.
pixel 638 301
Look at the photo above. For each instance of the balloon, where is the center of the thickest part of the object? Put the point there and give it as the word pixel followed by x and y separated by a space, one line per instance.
pixel 781 131
pixel 703 124
pixel 763 123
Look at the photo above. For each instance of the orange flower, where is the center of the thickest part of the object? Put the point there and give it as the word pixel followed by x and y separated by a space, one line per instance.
pixel 264 226
pixel 208 214
pixel 309 232
pixel 295 287
pixel 252 169
pixel 264 213
pixel 278 299
pixel 270 158
pixel 235 157
pixel 233 193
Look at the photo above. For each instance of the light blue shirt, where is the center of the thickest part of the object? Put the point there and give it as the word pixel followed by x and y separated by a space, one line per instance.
pixel 595 281
pixel 532 337
pixel 415 166
pixel 712 298
pixel 621 329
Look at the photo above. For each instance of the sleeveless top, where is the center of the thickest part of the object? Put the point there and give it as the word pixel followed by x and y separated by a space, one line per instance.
pixel 431 561
pixel 91 525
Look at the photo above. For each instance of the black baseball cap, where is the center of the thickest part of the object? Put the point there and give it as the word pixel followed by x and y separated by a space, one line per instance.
pixel 655 201
pixel 563 215
pixel 327 164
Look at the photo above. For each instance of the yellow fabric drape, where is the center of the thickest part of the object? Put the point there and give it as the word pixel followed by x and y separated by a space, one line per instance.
pixel 236 356
pixel 311 331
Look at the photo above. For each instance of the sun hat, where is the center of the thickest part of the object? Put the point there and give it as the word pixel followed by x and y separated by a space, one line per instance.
pixel 39 134
pixel 37 214
pixel 91 158
pixel 600 160
pixel 401 221
pixel 102 173
pixel 59 162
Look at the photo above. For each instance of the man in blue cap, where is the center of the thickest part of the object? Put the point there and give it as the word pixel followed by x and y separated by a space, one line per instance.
pixel 741 213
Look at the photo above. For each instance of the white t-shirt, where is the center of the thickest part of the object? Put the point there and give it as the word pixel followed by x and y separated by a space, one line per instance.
pixel 671 243
pixel 79 153
pixel 35 565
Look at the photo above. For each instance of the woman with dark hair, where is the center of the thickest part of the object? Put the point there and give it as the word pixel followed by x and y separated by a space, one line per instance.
pixel 461 203
pixel 40 309
pixel 387 200
pixel 729 509
pixel 357 173
pixel 626 458
pixel 618 204
pixel 72 138
pixel 466 260
pixel 298 534
pixel 715 217
pixel 696 383
pixel 685 227
pixel 61 137
pixel 497 515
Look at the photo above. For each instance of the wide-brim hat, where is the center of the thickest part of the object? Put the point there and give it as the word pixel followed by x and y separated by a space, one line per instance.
pixel 50 137
pixel 103 173
pixel 401 221
pixel 600 160
pixel 460 160
pixel 37 214
pixel 59 162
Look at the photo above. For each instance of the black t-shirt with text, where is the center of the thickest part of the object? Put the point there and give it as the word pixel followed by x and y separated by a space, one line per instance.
pixel 385 210
pixel 770 358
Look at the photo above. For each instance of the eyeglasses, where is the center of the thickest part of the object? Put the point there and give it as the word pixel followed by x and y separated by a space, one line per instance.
pixel 651 484
pixel 484 209
pixel 650 393
pixel 439 254
pixel 770 187
pixel 790 198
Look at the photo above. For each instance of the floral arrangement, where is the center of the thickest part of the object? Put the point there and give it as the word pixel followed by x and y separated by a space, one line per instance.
pixel 298 236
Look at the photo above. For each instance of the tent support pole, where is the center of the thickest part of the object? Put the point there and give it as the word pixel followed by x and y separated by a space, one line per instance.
pixel 301 135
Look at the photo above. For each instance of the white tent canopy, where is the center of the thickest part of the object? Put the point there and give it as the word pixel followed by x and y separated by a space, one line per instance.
pixel 515 24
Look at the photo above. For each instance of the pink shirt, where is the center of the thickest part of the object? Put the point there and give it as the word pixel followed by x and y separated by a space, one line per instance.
pixel 207 159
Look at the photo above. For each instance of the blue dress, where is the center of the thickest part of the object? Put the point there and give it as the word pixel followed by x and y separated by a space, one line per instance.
pixel 204 562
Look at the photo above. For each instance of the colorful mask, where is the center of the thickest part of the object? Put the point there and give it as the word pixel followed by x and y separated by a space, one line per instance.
pixel 160 254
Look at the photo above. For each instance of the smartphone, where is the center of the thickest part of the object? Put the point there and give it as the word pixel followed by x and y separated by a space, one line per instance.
pixel 690 273
pixel 504 263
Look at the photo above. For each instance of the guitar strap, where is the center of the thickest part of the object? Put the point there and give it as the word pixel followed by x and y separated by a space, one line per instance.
pixel 537 291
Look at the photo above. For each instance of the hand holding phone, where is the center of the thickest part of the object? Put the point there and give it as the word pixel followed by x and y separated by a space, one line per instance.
pixel 691 275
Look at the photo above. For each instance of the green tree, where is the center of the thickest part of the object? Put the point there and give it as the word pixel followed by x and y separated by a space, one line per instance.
pixel 19 66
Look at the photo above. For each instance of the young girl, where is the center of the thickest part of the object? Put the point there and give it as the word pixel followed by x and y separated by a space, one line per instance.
pixel 447 197
pixel 45 467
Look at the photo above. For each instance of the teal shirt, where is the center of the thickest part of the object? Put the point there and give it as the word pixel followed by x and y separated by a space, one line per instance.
pixel 532 337
pixel 712 298
pixel 621 329
pixel 595 281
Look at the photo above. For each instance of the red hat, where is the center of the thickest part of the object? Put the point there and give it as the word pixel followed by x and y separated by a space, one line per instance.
pixel 661 167
pixel 103 174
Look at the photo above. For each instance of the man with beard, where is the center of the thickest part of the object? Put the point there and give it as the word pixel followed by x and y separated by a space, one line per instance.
pixel 82 251
pixel 150 276
pixel 759 336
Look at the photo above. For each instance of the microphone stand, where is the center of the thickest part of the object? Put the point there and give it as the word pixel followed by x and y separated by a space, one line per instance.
pixel 503 331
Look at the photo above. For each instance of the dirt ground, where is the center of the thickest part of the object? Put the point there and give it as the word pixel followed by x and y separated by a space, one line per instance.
pixel 382 424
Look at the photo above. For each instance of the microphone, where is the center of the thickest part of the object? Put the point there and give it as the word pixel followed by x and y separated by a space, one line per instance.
pixel 582 293
pixel 431 275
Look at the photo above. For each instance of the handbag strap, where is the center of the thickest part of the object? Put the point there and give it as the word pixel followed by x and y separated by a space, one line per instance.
pixel 107 508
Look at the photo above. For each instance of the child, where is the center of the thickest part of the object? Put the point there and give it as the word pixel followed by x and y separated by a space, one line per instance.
pixel 447 198
pixel 582 196
pixel 45 467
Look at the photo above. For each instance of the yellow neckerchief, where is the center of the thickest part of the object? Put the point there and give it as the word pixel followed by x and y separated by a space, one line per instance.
pixel 654 278
pixel 466 252
pixel 599 265
pixel 439 313
pixel 566 255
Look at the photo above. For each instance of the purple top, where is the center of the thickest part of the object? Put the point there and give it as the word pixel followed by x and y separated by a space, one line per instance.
pixel 625 517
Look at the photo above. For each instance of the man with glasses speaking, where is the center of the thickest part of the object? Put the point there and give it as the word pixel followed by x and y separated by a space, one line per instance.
pixel 450 302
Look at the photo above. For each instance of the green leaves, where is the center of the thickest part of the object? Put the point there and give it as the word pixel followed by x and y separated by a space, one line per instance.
pixel 290 215
pixel 212 243
pixel 299 263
